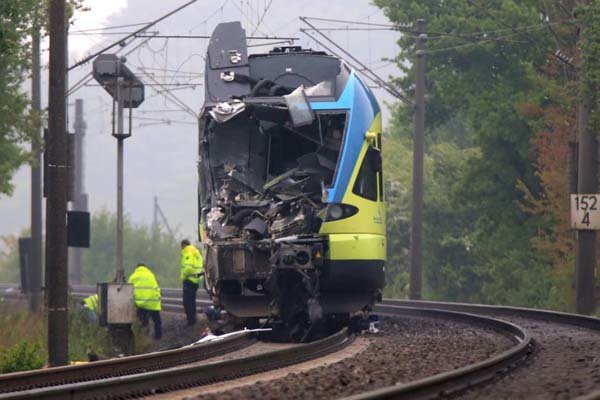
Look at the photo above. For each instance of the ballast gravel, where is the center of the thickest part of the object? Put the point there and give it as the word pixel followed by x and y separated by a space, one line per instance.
pixel 176 332
pixel 565 365
pixel 406 349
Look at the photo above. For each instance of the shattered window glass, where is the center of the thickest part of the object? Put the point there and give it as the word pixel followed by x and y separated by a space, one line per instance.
pixel 313 149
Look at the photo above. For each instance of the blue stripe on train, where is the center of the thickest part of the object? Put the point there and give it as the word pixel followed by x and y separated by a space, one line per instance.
pixel 362 109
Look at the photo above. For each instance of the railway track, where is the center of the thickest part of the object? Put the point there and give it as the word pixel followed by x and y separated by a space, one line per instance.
pixel 116 367
pixel 565 325
pixel 143 383
pixel 456 381
pixel 435 386
pixel 185 376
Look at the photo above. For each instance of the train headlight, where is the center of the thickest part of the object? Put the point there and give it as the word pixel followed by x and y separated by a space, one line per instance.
pixel 339 211
pixel 335 212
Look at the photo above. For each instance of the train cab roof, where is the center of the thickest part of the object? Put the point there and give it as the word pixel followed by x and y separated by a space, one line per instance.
pixel 233 74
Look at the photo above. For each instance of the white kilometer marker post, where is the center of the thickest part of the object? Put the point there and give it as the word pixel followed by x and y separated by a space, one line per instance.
pixel 585 211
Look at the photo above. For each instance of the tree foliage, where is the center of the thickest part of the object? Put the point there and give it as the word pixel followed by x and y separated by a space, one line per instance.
pixel 19 20
pixel 16 20
pixel 142 243
pixel 488 89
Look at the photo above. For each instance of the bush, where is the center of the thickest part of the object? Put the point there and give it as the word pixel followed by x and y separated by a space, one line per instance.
pixel 21 357
pixel 85 336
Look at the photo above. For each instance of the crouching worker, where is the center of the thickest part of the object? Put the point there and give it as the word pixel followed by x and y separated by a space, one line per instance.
pixel 146 295
pixel 90 305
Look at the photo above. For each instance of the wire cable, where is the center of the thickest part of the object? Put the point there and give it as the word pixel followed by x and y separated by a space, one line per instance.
pixel 107 28
pixel 145 28
pixel 366 71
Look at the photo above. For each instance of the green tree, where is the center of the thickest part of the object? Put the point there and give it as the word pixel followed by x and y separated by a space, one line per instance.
pixel 483 61
pixel 142 243
pixel 16 18
pixel 18 124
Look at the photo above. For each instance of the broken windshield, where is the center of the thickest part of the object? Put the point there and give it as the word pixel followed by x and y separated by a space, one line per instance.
pixel 266 155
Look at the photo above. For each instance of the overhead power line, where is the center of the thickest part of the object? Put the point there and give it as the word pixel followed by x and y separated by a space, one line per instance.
pixel 167 93
pixel 271 43
pixel 88 77
pixel 353 62
pixel 527 37
pixel 131 35
pixel 262 17
pixel 163 85
pixel 402 28
pixel 408 30
pixel 208 37
pixel 106 28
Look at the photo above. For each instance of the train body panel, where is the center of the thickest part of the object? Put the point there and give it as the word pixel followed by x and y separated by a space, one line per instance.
pixel 292 218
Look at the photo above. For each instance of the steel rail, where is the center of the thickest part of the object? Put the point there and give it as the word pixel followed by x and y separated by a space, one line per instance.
pixel 431 387
pixel 582 321
pixel 545 315
pixel 450 382
pixel 116 367
pixel 454 381
pixel 147 383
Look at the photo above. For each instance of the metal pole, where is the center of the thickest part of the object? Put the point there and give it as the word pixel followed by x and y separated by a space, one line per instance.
pixel 79 197
pixel 585 264
pixel 418 151
pixel 586 239
pixel 56 204
pixel 155 222
pixel 36 175
pixel 120 277
pixel 155 216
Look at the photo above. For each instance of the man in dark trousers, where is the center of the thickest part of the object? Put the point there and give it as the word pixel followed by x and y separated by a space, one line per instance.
pixel 146 295
pixel 191 271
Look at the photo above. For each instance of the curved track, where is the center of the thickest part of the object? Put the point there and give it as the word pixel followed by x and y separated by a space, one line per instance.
pixel 117 367
pixel 522 388
pixel 550 323
pixel 181 377
pixel 444 383
pixel 184 376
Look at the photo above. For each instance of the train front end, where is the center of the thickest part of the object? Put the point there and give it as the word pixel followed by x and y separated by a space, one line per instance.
pixel 292 217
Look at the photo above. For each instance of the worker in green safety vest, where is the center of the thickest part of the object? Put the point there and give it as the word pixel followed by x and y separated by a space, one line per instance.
pixel 146 295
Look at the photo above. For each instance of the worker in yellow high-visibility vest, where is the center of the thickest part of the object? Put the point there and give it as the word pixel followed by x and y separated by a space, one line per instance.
pixel 191 273
pixel 146 295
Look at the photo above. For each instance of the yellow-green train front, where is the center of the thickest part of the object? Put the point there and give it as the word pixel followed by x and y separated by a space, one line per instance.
pixel 292 216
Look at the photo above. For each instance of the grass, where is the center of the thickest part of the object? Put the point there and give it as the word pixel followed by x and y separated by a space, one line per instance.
pixel 23 339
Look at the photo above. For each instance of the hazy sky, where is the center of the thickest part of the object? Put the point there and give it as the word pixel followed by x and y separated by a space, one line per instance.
pixel 161 155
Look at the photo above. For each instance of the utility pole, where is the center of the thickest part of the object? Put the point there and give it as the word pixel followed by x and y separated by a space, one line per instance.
pixel 36 173
pixel 585 264
pixel 56 203
pixel 158 212
pixel 79 197
pixel 416 245
pixel 120 277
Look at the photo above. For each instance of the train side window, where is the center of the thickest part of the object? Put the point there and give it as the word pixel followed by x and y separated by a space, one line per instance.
pixel 366 184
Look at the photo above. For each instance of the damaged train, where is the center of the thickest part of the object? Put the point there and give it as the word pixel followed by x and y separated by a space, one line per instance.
pixel 291 211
